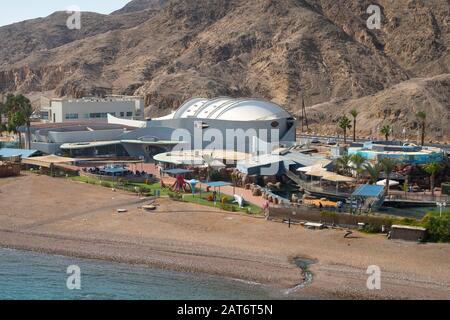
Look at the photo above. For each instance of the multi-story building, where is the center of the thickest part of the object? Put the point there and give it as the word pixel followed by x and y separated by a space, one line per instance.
pixel 91 109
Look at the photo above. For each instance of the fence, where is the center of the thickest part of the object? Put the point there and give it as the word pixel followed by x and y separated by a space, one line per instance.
pixel 417 196
pixel 300 214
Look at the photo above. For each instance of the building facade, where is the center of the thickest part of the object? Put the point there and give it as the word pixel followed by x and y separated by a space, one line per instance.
pixel 91 109
pixel 242 125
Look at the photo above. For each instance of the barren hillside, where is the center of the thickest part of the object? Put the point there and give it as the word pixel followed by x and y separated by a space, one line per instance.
pixel 281 50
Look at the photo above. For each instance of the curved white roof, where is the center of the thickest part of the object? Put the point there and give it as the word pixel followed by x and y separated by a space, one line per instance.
pixel 225 108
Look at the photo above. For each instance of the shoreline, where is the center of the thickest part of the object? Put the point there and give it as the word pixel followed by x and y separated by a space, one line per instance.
pixel 71 219
pixel 151 261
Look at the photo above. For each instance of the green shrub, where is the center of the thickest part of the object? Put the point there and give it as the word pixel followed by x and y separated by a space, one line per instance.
pixel 438 227
pixel 328 214
pixel 175 195
pixel 106 184
pixel 370 228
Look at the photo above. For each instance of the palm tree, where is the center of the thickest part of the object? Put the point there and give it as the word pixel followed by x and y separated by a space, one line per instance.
pixel 373 171
pixel 343 162
pixel 386 131
pixel 388 166
pixel 344 124
pixel 2 110
pixel 422 117
pixel 19 113
pixel 354 114
pixel 432 169
pixel 357 164
pixel 234 179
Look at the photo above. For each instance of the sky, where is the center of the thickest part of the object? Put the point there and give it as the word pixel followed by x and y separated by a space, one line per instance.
pixel 18 10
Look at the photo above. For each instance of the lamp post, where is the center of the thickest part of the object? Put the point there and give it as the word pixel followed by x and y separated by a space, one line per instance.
pixel 440 205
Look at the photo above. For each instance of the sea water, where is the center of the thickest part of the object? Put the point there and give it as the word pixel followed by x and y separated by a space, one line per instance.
pixel 28 275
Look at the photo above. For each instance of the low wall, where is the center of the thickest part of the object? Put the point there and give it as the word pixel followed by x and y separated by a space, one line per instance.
pixel 8 169
pixel 303 213
pixel 115 179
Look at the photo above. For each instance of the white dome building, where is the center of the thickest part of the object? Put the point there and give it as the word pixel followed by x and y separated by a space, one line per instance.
pixel 251 119
pixel 225 108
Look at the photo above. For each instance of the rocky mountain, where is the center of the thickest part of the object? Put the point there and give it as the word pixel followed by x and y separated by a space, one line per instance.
pixel 139 5
pixel 283 50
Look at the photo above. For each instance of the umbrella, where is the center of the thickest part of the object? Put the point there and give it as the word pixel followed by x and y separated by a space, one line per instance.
pixel 391 183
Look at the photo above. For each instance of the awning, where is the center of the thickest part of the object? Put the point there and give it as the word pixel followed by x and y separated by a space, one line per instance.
pixel 46 161
pixel 331 176
pixel 217 184
pixel 85 145
pixel 368 191
pixel 317 172
pixel 154 143
pixel 23 153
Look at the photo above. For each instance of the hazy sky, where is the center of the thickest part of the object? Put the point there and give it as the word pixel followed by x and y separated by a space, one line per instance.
pixel 18 10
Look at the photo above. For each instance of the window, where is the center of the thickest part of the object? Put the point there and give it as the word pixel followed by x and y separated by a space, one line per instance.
pixel 98 115
pixel 129 114
pixel 122 114
pixel 71 116
pixel 44 115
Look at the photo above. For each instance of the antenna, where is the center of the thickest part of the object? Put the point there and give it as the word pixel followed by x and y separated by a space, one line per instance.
pixel 304 117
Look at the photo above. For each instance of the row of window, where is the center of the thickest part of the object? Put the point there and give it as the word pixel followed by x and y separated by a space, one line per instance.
pixel 96 115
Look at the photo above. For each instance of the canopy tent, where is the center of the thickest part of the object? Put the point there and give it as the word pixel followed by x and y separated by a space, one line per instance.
pixel 391 183
pixel 47 161
pixel 331 176
pixel 217 184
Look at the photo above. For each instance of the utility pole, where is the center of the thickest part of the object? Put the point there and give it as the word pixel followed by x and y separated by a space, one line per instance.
pixel 304 117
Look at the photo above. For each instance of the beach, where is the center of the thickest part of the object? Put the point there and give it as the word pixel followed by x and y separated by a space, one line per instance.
pixel 59 216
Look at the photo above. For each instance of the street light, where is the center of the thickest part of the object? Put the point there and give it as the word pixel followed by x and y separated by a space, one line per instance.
pixel 440 205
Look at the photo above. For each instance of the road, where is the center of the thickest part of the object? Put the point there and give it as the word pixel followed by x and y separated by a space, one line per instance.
pixel 322 138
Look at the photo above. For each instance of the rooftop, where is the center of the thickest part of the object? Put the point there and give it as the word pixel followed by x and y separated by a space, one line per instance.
pixel 226 108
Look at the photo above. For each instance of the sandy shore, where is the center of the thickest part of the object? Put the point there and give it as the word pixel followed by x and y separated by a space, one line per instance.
pixel 59 216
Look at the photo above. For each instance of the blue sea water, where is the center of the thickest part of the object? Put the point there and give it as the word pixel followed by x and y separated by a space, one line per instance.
pixel 28 275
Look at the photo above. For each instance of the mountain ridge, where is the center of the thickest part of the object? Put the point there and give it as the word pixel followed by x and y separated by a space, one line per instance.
pixel 284 51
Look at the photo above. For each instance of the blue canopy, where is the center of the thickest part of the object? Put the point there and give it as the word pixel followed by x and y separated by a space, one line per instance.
pixel 10 152
pixel 217 184
pixel 368 191
pixel 177 171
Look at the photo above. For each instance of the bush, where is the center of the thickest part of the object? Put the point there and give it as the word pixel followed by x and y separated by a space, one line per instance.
pixel 175 196
pixel 329 214
pixel 106 184
pixel 438 227
pixel 370 228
